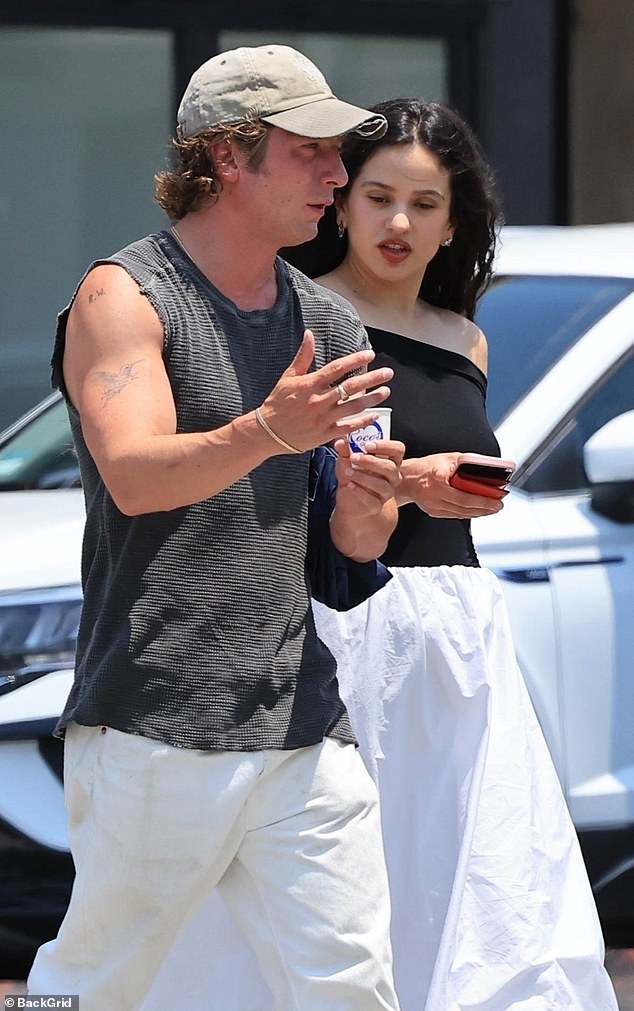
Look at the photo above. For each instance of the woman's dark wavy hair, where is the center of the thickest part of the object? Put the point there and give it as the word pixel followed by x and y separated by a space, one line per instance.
pixel 459 273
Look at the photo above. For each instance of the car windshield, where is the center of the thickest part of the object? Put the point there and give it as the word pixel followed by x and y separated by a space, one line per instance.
pixel 530 322
pixel 38 452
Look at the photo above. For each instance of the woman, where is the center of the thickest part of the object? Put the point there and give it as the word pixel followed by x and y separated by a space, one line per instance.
pixel 491 903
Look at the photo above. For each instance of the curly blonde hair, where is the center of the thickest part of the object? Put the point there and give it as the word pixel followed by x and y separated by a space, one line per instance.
pixel 193 181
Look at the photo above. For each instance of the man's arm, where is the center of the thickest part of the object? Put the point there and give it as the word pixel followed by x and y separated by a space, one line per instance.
pixel 366 511
pixel 115 377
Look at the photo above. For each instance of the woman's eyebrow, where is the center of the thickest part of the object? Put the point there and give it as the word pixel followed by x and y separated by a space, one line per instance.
pixel 422 192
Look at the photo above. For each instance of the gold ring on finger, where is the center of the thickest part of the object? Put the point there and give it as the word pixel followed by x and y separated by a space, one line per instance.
pixel 343 393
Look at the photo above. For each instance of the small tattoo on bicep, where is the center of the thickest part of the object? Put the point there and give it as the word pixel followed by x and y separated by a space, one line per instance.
pixel 94 295
pixel 114 382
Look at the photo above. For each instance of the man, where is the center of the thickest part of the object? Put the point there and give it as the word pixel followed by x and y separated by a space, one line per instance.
pixel 206 743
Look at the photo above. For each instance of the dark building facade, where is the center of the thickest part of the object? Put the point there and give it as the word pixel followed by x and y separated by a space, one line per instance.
pixel 88 95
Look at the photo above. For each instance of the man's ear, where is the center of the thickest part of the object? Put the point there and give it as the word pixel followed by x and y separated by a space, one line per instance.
pixel 224 159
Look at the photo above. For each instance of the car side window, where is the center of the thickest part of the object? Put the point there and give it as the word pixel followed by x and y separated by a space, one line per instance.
pixel 559 466
pixel 40 452
pixel 530 323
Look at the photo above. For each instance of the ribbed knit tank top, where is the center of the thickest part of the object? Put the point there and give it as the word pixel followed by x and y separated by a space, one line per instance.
pixel 197 628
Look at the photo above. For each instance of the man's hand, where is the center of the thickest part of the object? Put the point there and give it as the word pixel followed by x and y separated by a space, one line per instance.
pixel 425 481
pixel 366 510
pixel 115 375
pixel 308 409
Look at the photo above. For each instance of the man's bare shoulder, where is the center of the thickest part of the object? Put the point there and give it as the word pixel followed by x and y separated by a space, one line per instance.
pixel 108 294
pixel 103 282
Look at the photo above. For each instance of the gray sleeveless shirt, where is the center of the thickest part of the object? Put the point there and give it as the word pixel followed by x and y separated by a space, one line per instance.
pixel 197 628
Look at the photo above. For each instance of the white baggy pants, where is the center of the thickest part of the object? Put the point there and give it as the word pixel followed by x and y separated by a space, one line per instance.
pixel 292 838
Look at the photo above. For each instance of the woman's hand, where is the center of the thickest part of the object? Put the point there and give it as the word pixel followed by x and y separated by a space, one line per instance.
pixel 425 481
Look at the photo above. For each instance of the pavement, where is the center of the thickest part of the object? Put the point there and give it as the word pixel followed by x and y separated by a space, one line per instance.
pixel 619 963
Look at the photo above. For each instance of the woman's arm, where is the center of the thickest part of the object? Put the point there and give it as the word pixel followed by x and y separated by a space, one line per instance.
pixel 425 481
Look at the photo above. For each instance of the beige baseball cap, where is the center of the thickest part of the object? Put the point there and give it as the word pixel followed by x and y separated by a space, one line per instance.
pixel 273 83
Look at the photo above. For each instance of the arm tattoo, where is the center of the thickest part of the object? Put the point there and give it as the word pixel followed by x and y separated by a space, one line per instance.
pixel 95 295
pixel 114 382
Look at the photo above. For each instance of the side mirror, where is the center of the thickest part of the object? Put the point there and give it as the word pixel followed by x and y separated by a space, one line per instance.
pixel 608 457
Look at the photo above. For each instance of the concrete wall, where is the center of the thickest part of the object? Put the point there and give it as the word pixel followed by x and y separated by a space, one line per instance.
pixel 602 111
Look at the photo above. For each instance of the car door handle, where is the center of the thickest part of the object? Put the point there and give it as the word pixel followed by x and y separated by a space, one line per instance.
pixel 607 560
pixel 541 573
pixel 536 574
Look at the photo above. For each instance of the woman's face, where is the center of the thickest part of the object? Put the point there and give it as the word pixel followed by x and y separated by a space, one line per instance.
pixel 397 212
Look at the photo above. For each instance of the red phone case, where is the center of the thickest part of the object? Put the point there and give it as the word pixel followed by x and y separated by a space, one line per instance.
pixel 489 484
pixel 477 487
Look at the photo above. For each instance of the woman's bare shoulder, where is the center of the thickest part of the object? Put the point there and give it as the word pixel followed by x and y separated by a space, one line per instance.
pixel 454 332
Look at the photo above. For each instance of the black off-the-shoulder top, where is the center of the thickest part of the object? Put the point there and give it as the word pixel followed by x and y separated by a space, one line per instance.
pixel 438 405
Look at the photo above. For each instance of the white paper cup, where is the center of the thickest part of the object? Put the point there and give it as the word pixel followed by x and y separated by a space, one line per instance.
pixel 379 429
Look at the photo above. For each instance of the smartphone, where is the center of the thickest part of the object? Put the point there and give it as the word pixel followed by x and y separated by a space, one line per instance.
pixel 482 475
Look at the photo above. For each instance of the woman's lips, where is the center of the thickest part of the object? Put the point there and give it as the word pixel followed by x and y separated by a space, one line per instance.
pixel 394 252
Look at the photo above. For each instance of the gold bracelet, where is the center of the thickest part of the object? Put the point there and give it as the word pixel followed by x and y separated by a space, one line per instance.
pixel 269 431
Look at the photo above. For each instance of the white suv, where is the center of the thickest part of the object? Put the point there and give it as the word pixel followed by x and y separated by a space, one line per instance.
pixel 560 323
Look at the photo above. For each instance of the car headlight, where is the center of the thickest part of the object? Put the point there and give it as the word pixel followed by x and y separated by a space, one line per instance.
pixel 38 632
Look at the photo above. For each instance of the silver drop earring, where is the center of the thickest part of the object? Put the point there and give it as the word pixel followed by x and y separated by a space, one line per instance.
pixel 341 229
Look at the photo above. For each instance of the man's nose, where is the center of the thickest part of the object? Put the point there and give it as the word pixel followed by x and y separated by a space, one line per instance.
pixel 335 172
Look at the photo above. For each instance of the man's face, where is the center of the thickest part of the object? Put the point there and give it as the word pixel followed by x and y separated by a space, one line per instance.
pixel 286 194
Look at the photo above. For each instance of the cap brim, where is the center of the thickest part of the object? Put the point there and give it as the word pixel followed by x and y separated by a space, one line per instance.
pixel 329 117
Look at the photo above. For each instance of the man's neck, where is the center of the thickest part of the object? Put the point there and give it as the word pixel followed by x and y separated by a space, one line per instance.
pixel 226 254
